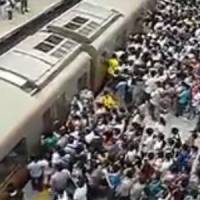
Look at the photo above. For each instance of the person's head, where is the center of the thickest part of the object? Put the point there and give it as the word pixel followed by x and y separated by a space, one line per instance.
pixel 115 168
pixel 153 73
pixel 114 56
pixel 151 156
pixel 60 193
pixel 149 131
pixel 81 182
pixel 168 156
pixel 185 148
pixel 170 141
pixel 194 149
pixel 160 155
pixel 11 188
pixel 59 167
pixel 161 137
pixel 194 135
pixel 70 139
pixel 130 174
pixel 175 131
pixel 33 158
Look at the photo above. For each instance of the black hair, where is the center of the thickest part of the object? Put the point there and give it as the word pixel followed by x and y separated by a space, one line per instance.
pixel 149 131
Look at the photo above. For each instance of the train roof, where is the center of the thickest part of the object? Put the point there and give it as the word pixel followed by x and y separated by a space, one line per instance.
pixel 88 19
pixel 85 19
pixel 124 7
pixel 30 64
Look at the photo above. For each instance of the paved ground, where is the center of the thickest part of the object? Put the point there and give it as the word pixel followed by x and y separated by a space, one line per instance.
pixel 183 124
pixel 36 8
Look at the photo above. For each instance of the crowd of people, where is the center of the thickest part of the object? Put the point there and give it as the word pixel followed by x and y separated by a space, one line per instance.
pixel 107 148
pixel 9 7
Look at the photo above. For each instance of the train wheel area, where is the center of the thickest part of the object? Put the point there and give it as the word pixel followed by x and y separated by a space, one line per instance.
pixel 139 139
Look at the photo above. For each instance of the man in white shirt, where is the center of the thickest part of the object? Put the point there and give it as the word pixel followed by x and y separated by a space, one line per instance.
pixel 36 169
pixel 123 190
pixel 81 191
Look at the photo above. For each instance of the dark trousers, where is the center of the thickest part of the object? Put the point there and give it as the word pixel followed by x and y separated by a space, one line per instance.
pixel 124 198
pixel 37 183
pixel 10 15
pixel 180 109
pixel 24 6
pixel 197 128
pixel 152 110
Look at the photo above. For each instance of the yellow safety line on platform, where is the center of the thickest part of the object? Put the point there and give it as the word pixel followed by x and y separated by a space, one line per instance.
pixel 44 195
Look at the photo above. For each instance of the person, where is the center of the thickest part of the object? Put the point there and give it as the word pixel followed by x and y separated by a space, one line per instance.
pixel 197 127
pixel 80 192
pixel 183 100
pixel 113 65
pixel 123 190
pixel 14 193
pixel 24 6
pixel 9 9
pixel 35 169
pixel 62 195
pixel 107 100
pixel 59 180
pixel 49 140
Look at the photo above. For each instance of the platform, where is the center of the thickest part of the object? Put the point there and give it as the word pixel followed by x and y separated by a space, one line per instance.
pixel 36 9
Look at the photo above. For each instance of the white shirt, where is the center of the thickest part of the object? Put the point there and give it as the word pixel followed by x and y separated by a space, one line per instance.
pixel 80 193
pixel 148 144
pixel 35 169
pixel 158 145
pixel 165 165
pixel 150 85
pixel 63 197
pixel 124 188
pixel 155 96
pixel 89 137
pixel 131 155
pixel 46 166
pixel 55 158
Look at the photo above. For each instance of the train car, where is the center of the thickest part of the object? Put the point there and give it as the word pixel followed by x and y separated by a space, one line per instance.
pixel 34 92
pixel 39 76
pixel 101 26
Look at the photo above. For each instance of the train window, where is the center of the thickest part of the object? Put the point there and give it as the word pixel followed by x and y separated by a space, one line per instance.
pixel 15 160
pixel 82 82
pixel 44 47
pixel 72 26
pixel 80 20
pixel 54 39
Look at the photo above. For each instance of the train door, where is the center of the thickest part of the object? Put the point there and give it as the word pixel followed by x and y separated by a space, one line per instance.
pixel 59 108
pixel 57 112
pixel 13 165
pixel 82 82
pixel 48 121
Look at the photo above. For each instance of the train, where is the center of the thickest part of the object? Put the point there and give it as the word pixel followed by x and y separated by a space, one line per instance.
pixel 40 75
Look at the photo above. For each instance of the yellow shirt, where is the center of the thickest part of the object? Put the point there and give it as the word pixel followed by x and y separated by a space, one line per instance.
pixel 108 101
pixel 113 65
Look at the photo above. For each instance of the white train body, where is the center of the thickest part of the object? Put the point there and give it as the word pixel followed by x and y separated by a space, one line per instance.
pixel 39 76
